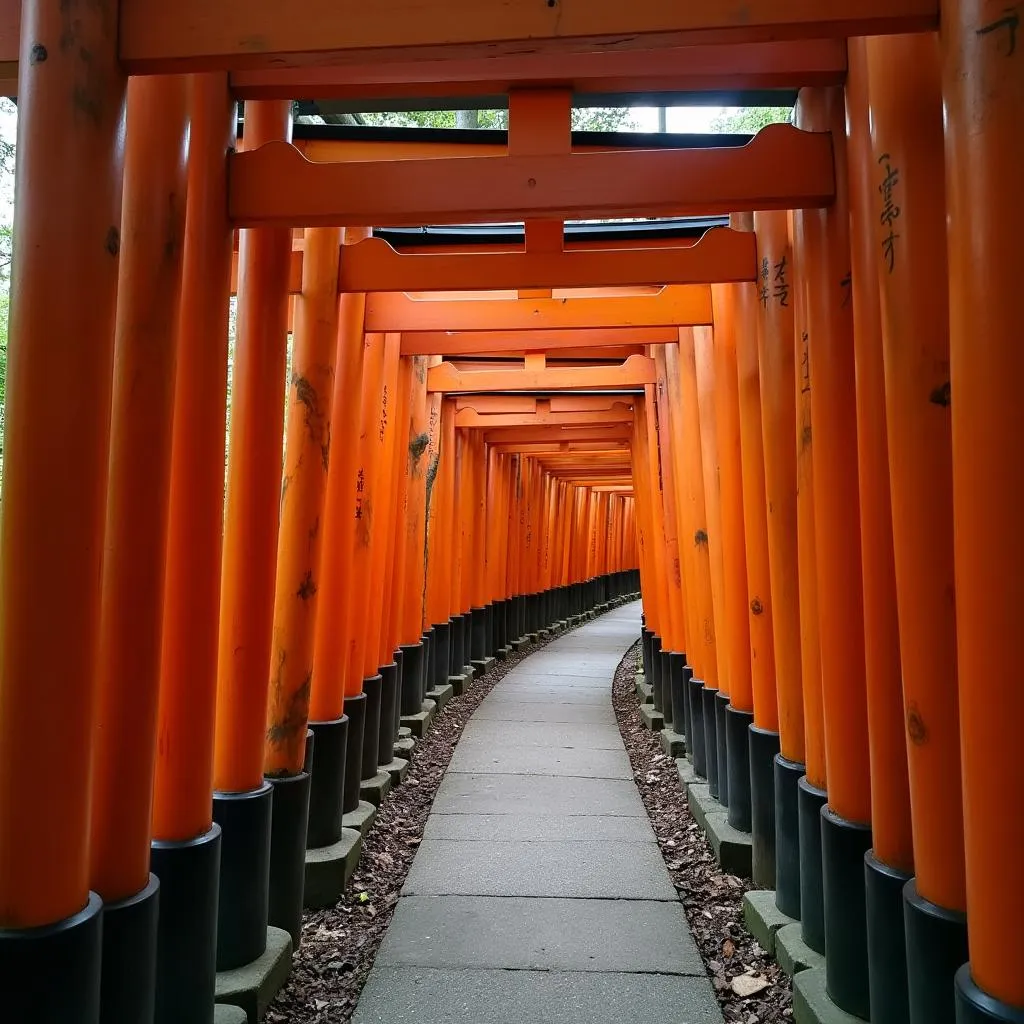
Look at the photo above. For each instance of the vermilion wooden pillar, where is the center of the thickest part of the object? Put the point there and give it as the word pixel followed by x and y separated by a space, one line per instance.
pixel 67 236
pixel 242 803
pixel 186 843
pixel 891 860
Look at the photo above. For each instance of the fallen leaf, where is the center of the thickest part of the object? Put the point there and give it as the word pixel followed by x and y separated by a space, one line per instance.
pixel 747 985
pixel 728 948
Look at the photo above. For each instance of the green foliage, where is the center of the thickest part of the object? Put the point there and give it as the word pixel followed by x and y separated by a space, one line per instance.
pixel 750 120
pixel 590 119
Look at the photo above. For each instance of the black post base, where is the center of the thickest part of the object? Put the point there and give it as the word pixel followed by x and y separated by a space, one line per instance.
pixel 695 699
pixel 936 949
pixel 887 950
pixel 721 753
pixel 737 752
pixel 428 652
pixel 355 710
pixel 810 801
pixel 646 637
pixel 457 645
pixel 411 702
pixel 243 906
pixel 371 726
pixel 387 732
pixel 441 653
pixel 843 845
pixel 288 825
pixel 975 1006
pixel 764 745
pixel 656 681
pixel 667 706
pixel 186 949
pixel 678 682
pixel 491 630
pixel 51 974
pixel 128 988
pixel 327 782
pixel 478 634
pixel 787 836
pixel 710 739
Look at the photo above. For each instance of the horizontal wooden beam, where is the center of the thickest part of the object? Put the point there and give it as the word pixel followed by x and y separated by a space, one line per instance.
pixel 635 372
pixel 196 35
pixel 540 447
pixel 721 256
pixel 674 306
pixel 472 418
pixel 774 65
pixel 531 432
pixel 529 404
pixel 781 168
pixel 455 343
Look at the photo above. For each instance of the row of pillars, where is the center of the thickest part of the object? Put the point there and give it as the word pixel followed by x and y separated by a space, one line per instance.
pixel 199 671
pixel 831 551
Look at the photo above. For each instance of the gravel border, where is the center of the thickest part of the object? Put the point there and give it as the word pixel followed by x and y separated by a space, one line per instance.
pixel 340 944
pixel 712 899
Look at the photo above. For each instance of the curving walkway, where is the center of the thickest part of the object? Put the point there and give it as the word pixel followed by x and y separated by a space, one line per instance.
pixel 538 893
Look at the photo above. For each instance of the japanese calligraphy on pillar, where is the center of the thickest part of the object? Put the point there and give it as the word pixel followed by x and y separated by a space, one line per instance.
pixel 890 211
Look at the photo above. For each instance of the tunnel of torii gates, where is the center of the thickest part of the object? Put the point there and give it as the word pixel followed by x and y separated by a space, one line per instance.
pixel 798 435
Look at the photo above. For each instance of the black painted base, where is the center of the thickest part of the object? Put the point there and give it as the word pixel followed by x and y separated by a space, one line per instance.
pixel 810 801
pixel 721 753
pixel 288 827
pixel 441 654
pixel 355 710
pixel 646 637
pixel 387 730
pixel 678 681
pixel 843 845
pixel 371 725
pixel 428 652
pixel 186 951
pixel 411 702
pixel 710 739
pixel 887 950
pixel 787 835
pixel 936 949
pixel 667 706
pixel 242 904
pixel 478 634
pixel 33 959
pixel 737 744
pixel 327 782
pixel 976 1006
pixel 655 681
pixel 698 753
pixel 764 745
pixel 128 988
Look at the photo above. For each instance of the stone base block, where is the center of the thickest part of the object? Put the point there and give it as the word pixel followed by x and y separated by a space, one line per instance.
pixel 645 692
pixel 653 720
pixel 420 723
pixel 404 732
pixel 672 743
pixel 440 695
pixel 732 848
pixel 361 819
pixel 253 986
pixel 793 954
pixel 404 747
pixel 328 869
pixel 533 637
pixel 520 644
pixel 225 1013
pixel 811 1004
pixel 542 634
pixel 482 665
pixel 763 918
pixel 639 677
pixel 460 684
pixel 398 769
pixel 374 790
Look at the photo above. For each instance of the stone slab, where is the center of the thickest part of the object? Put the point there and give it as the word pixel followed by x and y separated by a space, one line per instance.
pixel 420 995
pixel 517 794
pixel 404 732
pixel 404 747
pixel 441 695
pixel 482 665
pixel 793 954
pixel 534 711
pixel 484 732
pixel 397 769
pixel 564 762
pixel 732 848
pixel 672 743
pixel 644 692
pixel 225 1013
pixel 535 828
pixel 532 674
pixel 374 790
pixel 328 869
pixel 362 818
pixel 420 723
pixel 503 652
pixel 763 918
pixel 651 719
pixel 532 934
pixel 811 1002
pixel 584 869
pixel 469 672
pixel 253 986
pixel 578 697
pixel 520 644
pixel 459 684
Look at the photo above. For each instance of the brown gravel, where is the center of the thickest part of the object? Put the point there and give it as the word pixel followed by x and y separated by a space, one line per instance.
pixel 339 945
pixel 712 899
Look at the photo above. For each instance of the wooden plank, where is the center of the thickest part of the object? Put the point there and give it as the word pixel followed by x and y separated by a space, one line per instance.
pixel 782 168
pixel 635 372
pixel 721 256
pixel 623 413
pixel 194 35
pixel 531 432
pixel 673 306
pixel 622 341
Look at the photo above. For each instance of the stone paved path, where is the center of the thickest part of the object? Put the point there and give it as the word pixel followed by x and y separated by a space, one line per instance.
pixel 538 893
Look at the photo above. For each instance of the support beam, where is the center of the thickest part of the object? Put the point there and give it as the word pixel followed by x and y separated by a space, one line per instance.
pixel 623 413
pixel 578 342
pixel 781 168
pixel 635 372
pixel 531 433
